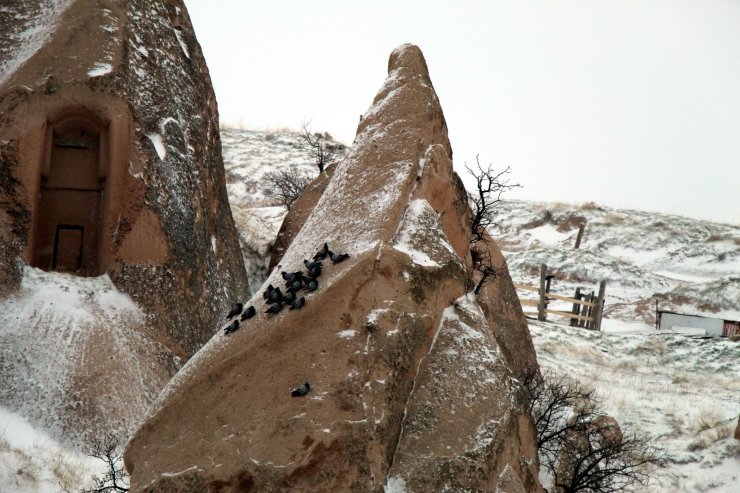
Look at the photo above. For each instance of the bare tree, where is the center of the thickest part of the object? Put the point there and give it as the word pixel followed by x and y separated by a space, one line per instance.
pixel 115 479
pixel 285 185
pixel 483 265
pixel 581 447
pixel 489 187
pixel 325 151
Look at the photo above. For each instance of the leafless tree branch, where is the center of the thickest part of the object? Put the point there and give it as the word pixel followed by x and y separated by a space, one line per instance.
pixel 579 445
pixel 115 479
pixel 489 188
pixel 324 150
pixel 285 185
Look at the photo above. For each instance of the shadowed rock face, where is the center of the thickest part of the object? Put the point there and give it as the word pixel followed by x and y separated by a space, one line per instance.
pixel 410 385
pixel 110 164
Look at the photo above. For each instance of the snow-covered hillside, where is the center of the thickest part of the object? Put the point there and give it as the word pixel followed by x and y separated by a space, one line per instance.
pixel 686 265
pixel 682 391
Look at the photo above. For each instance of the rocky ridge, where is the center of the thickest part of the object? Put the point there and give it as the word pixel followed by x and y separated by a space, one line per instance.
pixel 412 384
pixel 167 249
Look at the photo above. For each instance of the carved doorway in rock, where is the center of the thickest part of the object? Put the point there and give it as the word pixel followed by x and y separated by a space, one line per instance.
pixel 70 198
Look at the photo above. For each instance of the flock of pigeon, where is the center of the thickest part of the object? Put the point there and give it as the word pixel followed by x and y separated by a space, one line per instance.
pixel 294 282
pixel 276 299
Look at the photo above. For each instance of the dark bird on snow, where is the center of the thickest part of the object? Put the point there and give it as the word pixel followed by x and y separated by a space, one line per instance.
pixel 289 297
pixel 315 271
pixel 298 304
pixel 248 313
pixel 275 296
pixel 233 326
pixel 301 390
pixel 310 265
pixel 312 285
pixel 235 311
pixel 321 254
pixel 274 308
pixel 339 258
pixel 267 292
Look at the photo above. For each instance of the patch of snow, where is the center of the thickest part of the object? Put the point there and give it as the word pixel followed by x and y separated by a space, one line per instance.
pixel 213 244
pixel 372 317
pixel 100 69
pixel 27 34
pixel 414 231
pixel 547 234
pixel 682 276
pixel 158 144
pixel 395 484
pixel 347 334
pixel 31 461
pixel 179 473
pixel 184 47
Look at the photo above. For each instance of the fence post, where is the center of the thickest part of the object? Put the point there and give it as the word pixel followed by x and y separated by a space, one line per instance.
pixel 576 308
pixel 541 306
pixel 580 235
pixel 600 305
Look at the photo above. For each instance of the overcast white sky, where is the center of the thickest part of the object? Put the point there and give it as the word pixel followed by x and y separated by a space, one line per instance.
pixel 629 103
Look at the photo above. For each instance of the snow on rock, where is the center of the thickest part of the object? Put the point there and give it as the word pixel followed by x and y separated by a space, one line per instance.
pixel 24 29
pixel 100 69
pixel 83 355
pixel 61 337
pixel 421 236
pixel 158 144
pixel 348 435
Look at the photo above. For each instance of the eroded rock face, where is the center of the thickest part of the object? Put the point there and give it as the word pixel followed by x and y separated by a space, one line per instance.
pixel 410 386
pixel 111 166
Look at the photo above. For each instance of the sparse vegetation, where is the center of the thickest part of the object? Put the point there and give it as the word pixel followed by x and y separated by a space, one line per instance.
pixel 285 185
pixel 490 185
pixel 579 445
pixel 115 479
pixel 325 151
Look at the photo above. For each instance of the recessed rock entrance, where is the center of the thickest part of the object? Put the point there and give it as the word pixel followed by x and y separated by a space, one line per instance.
pixel 73 174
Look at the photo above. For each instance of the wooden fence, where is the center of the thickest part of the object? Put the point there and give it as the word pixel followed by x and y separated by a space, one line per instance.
pixel 586 308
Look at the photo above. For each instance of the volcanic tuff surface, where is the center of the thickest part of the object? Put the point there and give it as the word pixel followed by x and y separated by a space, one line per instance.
pixel 411 382
pixel 168 262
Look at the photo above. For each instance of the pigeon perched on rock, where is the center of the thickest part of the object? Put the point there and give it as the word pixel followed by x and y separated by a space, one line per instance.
pixel 310 265
pixel 289 297
pixel 274 308
pixel 235 311
pixel 321 254
pixel 267 292
pixel 298 304
pixel 301 390
pixel 295 285
pixel 312 285
pixel 338 258
pixel 285 275
pixel 315 271
pixel 233 326
pixel 275 296
pixel 248 313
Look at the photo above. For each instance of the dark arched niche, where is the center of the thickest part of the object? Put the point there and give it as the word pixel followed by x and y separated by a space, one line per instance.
pixel 73 174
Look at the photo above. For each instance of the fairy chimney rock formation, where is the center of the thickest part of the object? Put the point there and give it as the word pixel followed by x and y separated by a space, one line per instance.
pixel 410 389
pixel 111 168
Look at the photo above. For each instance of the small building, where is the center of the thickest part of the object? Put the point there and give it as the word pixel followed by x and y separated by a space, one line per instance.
pixel 667 320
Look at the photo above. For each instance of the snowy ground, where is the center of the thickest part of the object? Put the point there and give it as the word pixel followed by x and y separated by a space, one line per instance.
pixel 32 461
